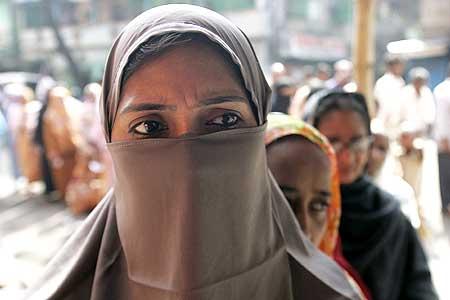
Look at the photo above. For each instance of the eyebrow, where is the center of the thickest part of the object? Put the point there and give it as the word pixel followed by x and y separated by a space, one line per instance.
pixel 222 99
pixel 356 138
pixel 164 107
pixel 290 190
pixel 287 189
pixel 352 139
pixel 147 106
pixel 324 193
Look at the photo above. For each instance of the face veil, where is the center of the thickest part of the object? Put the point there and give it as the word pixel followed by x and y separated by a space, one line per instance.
pixel 194 219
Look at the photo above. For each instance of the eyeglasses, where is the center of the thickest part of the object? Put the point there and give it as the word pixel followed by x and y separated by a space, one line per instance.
pixel 356 146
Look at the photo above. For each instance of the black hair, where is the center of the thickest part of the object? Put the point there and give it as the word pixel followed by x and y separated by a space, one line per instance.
pixel 152 47
pixel 341 101
pixel 38 139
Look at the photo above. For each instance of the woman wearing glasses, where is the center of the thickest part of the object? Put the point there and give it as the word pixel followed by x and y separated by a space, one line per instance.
pixel 377 239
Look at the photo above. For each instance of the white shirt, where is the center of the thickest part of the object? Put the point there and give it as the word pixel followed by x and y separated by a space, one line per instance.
pixel 404 193
pixel 389 181
pixel 418 109
pixel 387 92
pixel 442 96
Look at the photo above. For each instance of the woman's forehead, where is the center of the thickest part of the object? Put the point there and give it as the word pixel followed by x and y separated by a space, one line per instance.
pixel 347 122
pixel 196 54
pixel 299 148
pixel 191 71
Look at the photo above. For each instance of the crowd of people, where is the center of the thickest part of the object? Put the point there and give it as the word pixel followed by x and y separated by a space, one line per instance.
pixel 216 197
pixel 56 140
pixel 406 116
pixel 380 161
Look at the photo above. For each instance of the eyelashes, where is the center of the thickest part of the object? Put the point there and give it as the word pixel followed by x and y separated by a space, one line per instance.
pixel 154 127
pixel 227 120
pixel 316 206
pixel 148 128
pixel 319 205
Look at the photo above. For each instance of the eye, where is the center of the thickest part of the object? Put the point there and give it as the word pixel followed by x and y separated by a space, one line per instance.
pixel 360 144
pixel 337 146
pixel 319 205
pixel 227 120
pixel 381 148
pixel 150 128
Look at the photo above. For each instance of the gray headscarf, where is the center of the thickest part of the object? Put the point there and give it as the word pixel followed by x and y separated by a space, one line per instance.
pixel 190 19
pixel 209 225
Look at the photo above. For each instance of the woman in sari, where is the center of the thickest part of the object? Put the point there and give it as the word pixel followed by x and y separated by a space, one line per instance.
pixel 58 136
pixel 194 213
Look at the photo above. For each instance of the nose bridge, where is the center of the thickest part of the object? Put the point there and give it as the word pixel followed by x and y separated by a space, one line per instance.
pixel 345 155
pixel 182 126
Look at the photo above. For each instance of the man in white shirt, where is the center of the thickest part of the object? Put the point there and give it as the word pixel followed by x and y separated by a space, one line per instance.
pixel 387 92
pixel 343 70
pixel 416 117
pixel 417 104
pixel 442 133
pixel 381 168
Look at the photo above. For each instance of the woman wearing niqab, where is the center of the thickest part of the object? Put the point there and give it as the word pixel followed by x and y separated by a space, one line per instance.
pixel 197 216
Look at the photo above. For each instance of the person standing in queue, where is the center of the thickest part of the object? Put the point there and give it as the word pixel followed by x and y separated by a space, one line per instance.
pixel 304 165
pixel 377 239
pixel 194 213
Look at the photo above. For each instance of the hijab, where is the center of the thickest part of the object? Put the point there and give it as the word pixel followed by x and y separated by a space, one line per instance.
pixel 187 218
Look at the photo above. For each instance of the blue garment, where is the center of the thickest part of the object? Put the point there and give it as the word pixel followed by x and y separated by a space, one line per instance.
pixel 3 131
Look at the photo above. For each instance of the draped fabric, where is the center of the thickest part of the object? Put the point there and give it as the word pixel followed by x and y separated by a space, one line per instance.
pixel 381 244
pixel 195 217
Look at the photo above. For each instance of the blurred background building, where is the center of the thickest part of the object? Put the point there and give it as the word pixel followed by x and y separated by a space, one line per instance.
pixel 296 32
pixel 69 40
